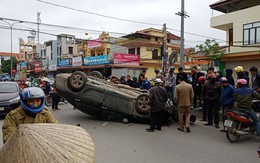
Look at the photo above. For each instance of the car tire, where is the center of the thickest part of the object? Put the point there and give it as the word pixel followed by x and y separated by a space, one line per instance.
pixel 142 106
pixel 77 80
pixel 96 74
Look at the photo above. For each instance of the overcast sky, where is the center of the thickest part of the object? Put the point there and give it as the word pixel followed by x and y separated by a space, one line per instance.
pixel 155 12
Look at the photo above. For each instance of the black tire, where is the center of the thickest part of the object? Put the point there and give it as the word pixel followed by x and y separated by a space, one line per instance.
pixel 142 106
pixel 231 134
pixel 96 74
pixel 77 80
pixel 48 101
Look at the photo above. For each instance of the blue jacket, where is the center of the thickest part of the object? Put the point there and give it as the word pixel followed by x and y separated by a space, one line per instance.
pixel 227 95
pixel 145 85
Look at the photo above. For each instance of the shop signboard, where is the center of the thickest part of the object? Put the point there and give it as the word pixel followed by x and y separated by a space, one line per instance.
pixel 64 63
pixel 97 60
pixel 37 67
pixel 23 66
pixel 126 59
pixel 77 61
pixel 94 43
pixel 52 67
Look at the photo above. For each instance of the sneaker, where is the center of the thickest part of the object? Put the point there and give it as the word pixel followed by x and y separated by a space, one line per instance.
pixel 150 130
pixel 187 129
pixel 200 108
pixel 217 126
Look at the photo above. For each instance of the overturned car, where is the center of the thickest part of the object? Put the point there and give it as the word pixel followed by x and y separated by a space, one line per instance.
pixel 101 98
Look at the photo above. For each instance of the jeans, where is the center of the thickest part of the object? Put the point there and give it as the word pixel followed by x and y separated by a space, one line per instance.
pixel 225 109
pixel 253 116
pixel 170 92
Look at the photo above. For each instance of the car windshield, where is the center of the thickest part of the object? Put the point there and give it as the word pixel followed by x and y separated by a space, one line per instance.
pixel 8 87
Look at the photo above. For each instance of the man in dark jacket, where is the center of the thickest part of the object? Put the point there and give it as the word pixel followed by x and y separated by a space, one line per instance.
pixel 157 100
pixel 226 99
pixel 255 79
pixel 229 77
pixel 196 86
pixel 211 94
pixel 183 74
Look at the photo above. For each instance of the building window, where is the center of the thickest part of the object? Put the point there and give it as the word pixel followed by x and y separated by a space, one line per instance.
pixel 230 39
pixel 251 33
pixel 131 51
pixel 138 51
pixel 155 54
pixel 70 50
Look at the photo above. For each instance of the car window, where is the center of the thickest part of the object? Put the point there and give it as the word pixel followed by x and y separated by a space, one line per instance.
pixel 8 87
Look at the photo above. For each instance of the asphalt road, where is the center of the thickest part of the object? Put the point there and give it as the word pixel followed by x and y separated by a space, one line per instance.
pixel 116 142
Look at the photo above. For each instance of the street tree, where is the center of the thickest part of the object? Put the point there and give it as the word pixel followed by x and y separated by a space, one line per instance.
pixel 211 50
pixel 6 65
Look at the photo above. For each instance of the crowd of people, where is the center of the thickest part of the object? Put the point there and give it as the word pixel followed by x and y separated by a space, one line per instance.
pixel 209 92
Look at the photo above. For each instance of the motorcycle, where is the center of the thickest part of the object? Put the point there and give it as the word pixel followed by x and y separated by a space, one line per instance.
pixel 48 99
pixel 240 124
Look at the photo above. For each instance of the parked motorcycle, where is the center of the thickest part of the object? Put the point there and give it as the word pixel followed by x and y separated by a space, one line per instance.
pixel 239 123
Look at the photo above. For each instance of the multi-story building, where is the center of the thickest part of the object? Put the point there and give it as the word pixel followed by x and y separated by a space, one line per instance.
pixel 148 44
pixel 241 22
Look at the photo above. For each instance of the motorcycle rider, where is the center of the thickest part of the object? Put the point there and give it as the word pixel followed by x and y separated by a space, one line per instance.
pixel 32 110
pixel 241 74
pixel 244 96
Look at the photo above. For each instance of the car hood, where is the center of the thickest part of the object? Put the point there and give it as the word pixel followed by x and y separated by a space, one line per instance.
pixel 7 96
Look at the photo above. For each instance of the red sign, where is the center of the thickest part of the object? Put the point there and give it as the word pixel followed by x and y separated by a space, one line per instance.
pixel 38 67
pixel 94 43
pixel 126 59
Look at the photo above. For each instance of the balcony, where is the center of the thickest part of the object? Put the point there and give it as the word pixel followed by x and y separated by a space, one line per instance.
pixel 235 19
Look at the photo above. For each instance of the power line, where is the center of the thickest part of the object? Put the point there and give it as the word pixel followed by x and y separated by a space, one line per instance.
pixel 96 14
pixel 97 31
pixel 121 19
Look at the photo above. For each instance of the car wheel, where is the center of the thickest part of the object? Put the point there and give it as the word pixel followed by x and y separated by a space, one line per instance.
pixel 96 74
pixel 77 80
pixel 142 106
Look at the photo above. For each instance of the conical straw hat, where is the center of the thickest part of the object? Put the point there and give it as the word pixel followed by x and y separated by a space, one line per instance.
pixel 48 143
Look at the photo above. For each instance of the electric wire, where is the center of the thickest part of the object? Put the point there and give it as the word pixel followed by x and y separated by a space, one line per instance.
pixel 121 19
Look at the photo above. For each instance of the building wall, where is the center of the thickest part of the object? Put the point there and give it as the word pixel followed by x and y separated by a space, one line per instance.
pixel 236 20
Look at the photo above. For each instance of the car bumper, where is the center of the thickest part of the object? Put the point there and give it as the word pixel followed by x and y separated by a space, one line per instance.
pixel 7 107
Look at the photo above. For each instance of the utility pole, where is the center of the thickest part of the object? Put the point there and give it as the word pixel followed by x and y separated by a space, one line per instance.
pixel 183 15
pixel 38 26
pixel 165 51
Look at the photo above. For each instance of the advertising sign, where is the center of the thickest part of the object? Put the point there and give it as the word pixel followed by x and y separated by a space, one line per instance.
pixel 64 63
pixel 77 61
pixel 97 60
pixel 23 66
pixel 52 68
pixel 38 67
pixel 94 43
pixel 126 59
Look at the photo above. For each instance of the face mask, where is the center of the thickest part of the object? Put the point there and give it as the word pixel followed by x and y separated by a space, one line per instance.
pixel 35 106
